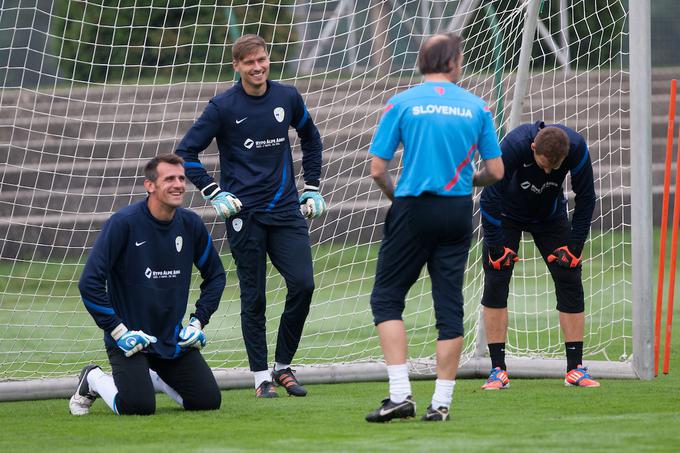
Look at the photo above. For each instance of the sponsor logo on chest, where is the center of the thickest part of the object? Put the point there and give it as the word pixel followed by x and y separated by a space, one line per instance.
pixel 538 190
pixel 165 273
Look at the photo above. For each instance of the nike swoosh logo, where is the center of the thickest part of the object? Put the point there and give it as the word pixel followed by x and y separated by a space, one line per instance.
pixel 384 412
pixel 527 165
pixel 241 120
pixel 137 244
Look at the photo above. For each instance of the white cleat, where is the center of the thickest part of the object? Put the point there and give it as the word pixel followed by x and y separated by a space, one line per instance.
pixel 82 399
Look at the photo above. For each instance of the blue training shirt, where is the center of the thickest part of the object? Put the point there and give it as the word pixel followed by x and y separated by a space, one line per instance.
pixel 256 164
pixel 441 126
pixel 139 273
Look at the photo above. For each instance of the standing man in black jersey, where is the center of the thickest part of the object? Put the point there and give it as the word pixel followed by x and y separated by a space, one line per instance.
pixel 530 198
pixel 258 199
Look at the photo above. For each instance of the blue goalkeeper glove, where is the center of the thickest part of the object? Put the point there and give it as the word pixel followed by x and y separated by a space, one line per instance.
pixel 131 341
pixel 224 203
pixel 312 204
pixel 192 336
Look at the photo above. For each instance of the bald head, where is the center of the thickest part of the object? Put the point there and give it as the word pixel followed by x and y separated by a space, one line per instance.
pixel 440 54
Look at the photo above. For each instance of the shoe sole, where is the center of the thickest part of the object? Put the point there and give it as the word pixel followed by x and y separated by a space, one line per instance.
pixel 569 384
pixel 296 394
pixel 427 419
pixel 505 387
pixel 409 417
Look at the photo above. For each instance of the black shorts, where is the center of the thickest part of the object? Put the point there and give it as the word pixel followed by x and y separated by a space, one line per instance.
pixel 547 236
pixel 424 230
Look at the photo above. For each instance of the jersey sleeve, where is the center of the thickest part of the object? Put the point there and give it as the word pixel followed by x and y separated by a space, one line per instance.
pixel 582 184
pixel 195 141
pixel 491 200
pixel 488 139
pixel 93 280
pixel 209 264
pixel 387 137
pixel 310 142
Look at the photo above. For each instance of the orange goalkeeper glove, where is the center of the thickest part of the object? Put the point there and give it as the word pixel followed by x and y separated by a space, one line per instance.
pixel 563 257
pixel 501 258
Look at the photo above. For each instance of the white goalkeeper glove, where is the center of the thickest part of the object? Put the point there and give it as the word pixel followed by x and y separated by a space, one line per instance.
pixel 131 341
pixel 192 336
pixel 224 203
pixel 312 204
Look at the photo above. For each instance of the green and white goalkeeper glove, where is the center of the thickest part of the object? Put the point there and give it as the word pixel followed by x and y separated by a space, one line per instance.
pixel 224 203
pixel 312 204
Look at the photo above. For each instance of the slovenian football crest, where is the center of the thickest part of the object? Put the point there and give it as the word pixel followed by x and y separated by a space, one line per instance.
pixel 237 224
pixel 178 243
pixel 279 114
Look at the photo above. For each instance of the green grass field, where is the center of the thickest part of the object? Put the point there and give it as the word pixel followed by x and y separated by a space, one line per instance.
pixel 534 415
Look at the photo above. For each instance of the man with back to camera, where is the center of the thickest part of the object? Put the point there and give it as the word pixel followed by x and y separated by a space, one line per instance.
pixel 258 199
pixel 135 285
pixel 441 127
pixel 530 198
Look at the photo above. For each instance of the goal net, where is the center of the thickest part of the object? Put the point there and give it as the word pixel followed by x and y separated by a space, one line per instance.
pixel 92 89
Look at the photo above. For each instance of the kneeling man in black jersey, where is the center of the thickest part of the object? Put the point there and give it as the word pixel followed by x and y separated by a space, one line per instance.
pixel 135 285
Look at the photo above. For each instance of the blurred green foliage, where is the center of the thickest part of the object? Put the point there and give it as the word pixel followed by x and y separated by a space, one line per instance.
pixel 127 41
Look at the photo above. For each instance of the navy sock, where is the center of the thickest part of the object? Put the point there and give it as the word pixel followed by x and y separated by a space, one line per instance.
pixel 497 353
pixel 574 354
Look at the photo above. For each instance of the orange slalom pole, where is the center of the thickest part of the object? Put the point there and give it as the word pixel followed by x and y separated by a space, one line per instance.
pixel 664 225
pixel 674 253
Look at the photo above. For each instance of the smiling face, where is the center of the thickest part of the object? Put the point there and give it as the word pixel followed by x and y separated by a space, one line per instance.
pixel 254 71
pixel 166 192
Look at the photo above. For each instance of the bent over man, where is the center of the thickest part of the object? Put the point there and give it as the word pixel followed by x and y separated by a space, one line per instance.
pixel 135 285
pixel 530 198
pixel 441 127
pixel 258 199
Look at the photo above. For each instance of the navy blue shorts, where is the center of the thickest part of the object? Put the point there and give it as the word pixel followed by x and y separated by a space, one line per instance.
pixel 547 236
pixel 424 230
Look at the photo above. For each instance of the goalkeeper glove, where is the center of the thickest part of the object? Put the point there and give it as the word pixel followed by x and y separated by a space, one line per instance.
pixel 224 203
pixel 563 257
pixel 131 341
pixel 192 336
pixel 312 204
pixel 502 258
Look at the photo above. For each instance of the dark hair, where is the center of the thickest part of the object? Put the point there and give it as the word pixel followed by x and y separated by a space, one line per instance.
pixel 439 53
pixel 552 143
pixel 245 45
pixel 150 169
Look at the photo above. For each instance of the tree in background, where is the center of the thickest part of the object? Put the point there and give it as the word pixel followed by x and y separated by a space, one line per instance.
pixel 160 41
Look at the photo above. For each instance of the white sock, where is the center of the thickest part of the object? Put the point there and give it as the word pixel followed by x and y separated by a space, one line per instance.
pixel 102 384
pixel 261 376
pixel 443 393
pixel 159 385
pixel 400 386
pixel 281 366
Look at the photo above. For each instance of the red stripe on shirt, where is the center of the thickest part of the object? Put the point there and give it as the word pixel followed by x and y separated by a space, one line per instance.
pixel 460 167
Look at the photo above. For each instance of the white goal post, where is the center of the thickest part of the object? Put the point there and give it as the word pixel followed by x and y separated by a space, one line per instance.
pixel 90 90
